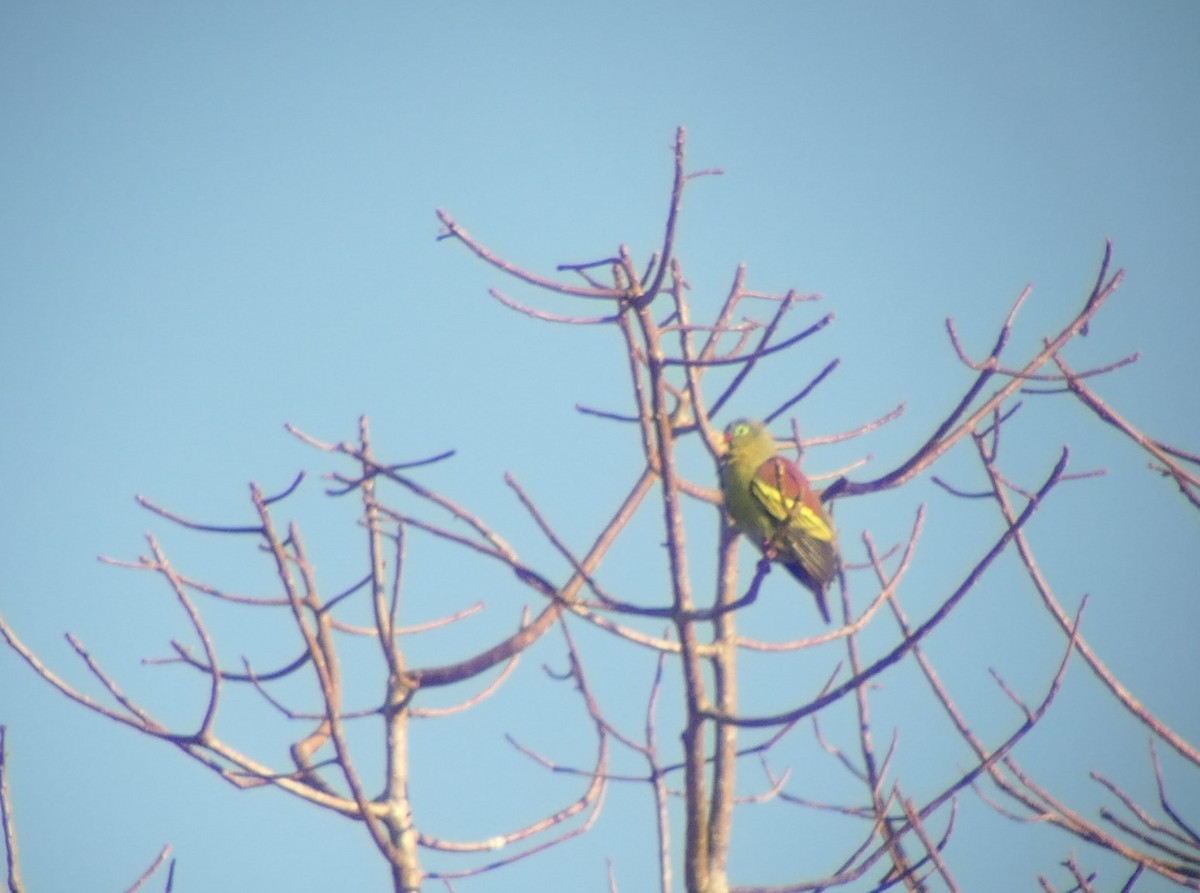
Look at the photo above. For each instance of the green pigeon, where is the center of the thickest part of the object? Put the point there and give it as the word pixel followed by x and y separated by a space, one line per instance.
pixel 772 503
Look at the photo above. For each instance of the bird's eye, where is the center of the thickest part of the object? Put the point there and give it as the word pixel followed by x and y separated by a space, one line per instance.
pixel 741 430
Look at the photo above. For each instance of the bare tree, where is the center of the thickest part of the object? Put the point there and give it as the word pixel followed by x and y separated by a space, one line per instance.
pixel 683 375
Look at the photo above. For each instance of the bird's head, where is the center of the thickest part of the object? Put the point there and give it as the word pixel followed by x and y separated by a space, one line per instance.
pixel 748 439
pixel 742 431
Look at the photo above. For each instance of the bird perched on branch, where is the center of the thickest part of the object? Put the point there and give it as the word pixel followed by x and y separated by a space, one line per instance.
pixel 771 501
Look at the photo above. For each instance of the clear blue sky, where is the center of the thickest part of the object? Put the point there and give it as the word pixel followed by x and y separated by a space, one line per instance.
pixel 218 218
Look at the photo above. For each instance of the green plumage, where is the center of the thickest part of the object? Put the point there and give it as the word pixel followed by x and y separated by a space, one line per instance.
pixel 772 503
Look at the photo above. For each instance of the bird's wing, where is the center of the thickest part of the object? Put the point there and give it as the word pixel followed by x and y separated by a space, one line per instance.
pixel 783 492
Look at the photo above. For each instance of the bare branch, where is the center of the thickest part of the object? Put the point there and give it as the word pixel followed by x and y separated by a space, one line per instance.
pixel 8 825
pixel 921 631
pixel 154 866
